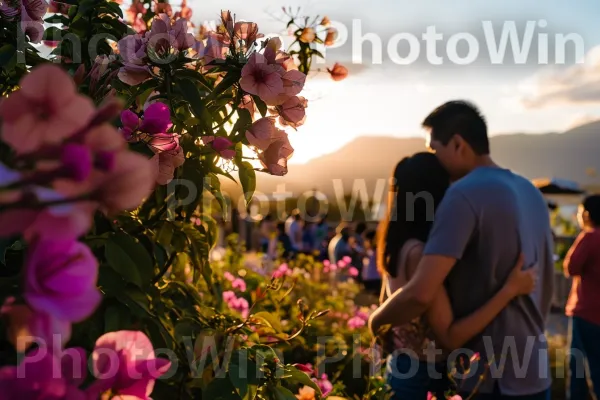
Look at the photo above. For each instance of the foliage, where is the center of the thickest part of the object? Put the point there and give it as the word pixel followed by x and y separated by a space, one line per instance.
pixel 81 200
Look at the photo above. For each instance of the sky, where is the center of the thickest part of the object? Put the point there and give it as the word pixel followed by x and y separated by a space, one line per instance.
pixel 387 98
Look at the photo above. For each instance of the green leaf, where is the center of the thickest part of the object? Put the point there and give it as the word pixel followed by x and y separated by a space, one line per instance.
pixel 248 180
pixel 222 389
pixel 228 81
pixel 8 57
pixel 136 300
pixel 192 96
pixel 164 236
pixel 243 123
pixel 194 75
pixel 199 251
pixel 57 19
pixel 296 377
pixel 281 393
pixel 260 105
pixel 115 8
pixel 53 33
pixel 116 318
pixel 269 319
pixel 128 257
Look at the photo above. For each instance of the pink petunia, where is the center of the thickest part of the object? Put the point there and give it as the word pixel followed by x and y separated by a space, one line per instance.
pixel 239 284
pixel 356 323
pixel 42 375
pixel 261 79
pixel 229 276
pixel 124 362
pixel 261 133
pixel 61 279
pixel 353 271
pixel 275 157
pixel 228 296
pixel 221 145
pixel 45 111
pixel 293 111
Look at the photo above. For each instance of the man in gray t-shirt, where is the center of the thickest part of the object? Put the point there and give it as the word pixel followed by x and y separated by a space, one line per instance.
pixel 487 218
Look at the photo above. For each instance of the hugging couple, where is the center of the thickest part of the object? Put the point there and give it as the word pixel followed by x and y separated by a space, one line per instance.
pixel 477 277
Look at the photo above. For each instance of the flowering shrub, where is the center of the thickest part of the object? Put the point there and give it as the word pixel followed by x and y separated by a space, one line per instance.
pixel 101 259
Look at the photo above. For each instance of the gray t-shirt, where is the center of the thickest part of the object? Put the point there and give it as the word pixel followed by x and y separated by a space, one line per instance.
pixel 485 221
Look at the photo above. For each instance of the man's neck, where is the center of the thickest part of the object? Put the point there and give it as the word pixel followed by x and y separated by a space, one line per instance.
pixel 485 161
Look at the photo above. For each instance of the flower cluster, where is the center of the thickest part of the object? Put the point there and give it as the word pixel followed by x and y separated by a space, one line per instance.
pixel 123 362
pixel 158 45
pixel 238 304
pixel 68 162
pixel 341 265
pixel 29 13
pixel 152 128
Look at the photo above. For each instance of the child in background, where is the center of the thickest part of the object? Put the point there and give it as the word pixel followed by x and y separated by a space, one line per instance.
pixel 583 264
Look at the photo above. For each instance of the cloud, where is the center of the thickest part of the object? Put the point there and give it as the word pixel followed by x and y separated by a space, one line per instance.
pixel 582 119
pixel 577 84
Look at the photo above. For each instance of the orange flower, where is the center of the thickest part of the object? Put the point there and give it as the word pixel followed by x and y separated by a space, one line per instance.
pixel 331 36
pixel 325 21
pixel 338 72
pixel 308 35
pixel 306 393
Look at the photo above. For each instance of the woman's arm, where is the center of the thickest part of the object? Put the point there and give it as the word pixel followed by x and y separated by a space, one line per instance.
pixel 577 256
pixel 453 334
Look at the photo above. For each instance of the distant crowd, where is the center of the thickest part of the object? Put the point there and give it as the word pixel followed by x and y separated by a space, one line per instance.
pixel 295 235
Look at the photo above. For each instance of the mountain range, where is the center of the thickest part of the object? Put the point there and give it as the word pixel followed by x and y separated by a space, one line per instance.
pixel 573 155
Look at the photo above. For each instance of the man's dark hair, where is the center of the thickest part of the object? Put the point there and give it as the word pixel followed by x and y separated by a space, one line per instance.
pixel 591 204
pixel 459 118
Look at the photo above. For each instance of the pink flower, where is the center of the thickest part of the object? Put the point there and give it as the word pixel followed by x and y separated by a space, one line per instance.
pixel 229 276
pixel 326 270
pixel 157 118
pixel 46 110
pixel 65 221
pixel 261 79
pixel 125 364
pixel 308 35
pixel 228 296
pixel 132 49
pixel 342 264
pixel 221 145
pixel 130 122
pixel 240 305
pixel 239 284
pixel 275 157
pixel 293 111
pixel 216 48
pixel 248 104
pixel 306 368
pixel 347 259
pixel 130 182
pixel 35 9
pixel 353 271
pixel 60 279
pixel 324 384
pixel 43 375
pixel 261 133
pixel 163 35
pixel 326 263
pixel 281 271
pixel 247 31
pixel 166 162
pixel 356 323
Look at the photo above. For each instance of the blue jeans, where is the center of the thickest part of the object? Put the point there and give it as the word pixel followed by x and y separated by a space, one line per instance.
pixel 410 379
pixel 584 360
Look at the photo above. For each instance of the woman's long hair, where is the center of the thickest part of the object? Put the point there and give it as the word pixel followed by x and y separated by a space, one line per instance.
pixel 416 189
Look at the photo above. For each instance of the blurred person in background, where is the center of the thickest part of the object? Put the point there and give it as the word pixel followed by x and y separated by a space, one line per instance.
pixel 267 231
pixel 283 240
pixel 339 246
pixel 293 228
pixel 583 264
pixel 370 274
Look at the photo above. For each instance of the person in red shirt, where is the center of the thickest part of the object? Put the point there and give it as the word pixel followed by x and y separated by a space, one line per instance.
pixel 583 264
